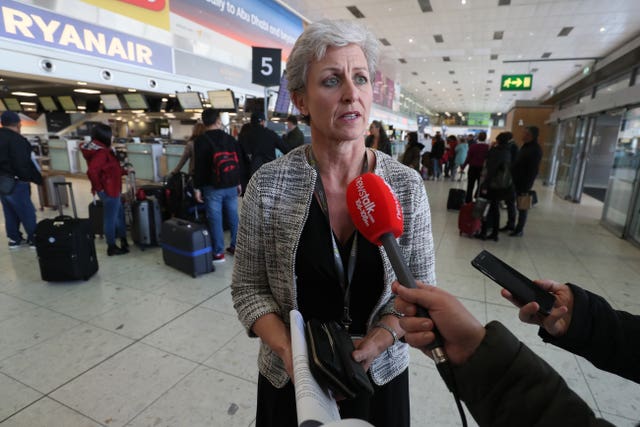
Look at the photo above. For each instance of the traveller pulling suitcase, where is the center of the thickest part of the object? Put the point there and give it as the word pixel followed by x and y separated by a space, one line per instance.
pixel 65 245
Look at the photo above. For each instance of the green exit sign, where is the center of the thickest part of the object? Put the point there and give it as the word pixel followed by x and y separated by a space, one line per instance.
pixel 516 82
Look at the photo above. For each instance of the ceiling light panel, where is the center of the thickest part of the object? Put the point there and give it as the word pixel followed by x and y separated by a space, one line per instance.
pixel 565 31
pixel 425 5
pixel 355 11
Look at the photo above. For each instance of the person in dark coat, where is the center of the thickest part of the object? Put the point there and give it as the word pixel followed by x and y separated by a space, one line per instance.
pixel 258 145
pixel 411 156
pixel 16 161
pixel 294 136
pixel 502 382
pixel 585 324
pixel 497 184
pixel 437 151
pixel 524 171
pixel 476 157
pixel 378 138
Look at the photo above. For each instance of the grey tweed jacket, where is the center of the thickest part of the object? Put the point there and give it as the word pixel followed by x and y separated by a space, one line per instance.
pixel 275 209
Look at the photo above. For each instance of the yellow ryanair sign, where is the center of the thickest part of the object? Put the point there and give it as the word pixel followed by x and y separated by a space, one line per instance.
pixel 152 12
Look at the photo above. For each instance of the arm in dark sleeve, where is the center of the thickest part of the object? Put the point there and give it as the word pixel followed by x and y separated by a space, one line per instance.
pixel 21 162
pixel 607 338
pixel 280 143
pixel 202 158
pixel 504 383
pixel 532 166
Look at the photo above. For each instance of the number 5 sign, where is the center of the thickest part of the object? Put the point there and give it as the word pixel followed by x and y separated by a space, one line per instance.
pixel 266 66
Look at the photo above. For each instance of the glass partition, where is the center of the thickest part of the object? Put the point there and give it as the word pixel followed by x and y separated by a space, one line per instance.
pixel 623 181
pixel 571 158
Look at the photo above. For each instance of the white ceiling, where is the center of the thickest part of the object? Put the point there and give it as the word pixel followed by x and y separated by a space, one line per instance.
pixel 530 29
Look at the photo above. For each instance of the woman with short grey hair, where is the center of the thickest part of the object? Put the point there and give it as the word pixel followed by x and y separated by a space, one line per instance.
pixel 295 218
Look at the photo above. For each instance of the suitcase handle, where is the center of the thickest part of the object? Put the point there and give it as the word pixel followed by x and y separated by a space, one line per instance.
pixel 57 186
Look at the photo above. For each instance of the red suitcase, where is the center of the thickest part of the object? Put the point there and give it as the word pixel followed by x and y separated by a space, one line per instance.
pixel 467 224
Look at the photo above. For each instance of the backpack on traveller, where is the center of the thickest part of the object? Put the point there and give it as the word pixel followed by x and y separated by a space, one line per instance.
pixel 225 163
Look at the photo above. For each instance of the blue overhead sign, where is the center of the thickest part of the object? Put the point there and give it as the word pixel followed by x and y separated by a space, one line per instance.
pixel 40 27
pixel 252 22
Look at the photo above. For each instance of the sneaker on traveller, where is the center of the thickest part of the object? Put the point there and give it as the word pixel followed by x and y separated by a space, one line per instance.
pixel 13 244
pixel 218 258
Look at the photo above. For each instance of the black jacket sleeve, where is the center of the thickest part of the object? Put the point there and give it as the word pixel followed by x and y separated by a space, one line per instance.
pixel 202 155
pixel 292 139
pixel 525 169
pixel 504 383
pixel 607 338
pixel 20 158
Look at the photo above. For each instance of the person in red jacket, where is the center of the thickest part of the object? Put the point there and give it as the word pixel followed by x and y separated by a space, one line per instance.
pixel 105 173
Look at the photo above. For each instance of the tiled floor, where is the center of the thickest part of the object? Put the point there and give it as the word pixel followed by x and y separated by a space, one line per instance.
pixel 141 344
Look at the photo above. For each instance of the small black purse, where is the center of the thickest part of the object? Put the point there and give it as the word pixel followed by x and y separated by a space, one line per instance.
pixel 330 361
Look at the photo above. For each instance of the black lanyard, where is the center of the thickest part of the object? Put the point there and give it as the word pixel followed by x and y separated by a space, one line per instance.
pixel 344 280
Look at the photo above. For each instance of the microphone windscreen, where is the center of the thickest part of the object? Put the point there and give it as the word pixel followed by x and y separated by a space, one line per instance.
pixel 374 208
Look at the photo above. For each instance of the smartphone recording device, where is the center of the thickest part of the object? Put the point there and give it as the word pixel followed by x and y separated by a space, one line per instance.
pixel 521 287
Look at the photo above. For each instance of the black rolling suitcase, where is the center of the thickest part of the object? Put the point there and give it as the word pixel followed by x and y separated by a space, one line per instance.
pixel 456 199
pixel 96 216
pixel 65 245
pixel 186 246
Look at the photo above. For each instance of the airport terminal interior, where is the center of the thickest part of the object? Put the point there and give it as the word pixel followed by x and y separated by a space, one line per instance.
pixel 142 344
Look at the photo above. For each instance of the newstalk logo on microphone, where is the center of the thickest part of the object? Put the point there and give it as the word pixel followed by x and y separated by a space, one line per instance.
pixel 365 206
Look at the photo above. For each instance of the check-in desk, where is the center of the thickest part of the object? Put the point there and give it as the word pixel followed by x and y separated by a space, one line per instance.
pixel 173 152
pixel 60 154
pixel 81 162
pixel 145 159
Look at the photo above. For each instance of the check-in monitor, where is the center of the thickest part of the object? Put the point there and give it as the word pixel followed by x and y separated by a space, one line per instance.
pixel 48 103
pixel 135 101
pixel 222 100
pixel 13 104
pixel 67 103
pixel 110 101
pixel 189 100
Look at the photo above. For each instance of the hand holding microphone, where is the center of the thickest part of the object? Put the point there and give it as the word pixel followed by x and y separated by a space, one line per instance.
pixel 377 214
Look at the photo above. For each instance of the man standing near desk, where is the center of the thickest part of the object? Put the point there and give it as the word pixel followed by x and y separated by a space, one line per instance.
pixel 294 136
pixel 16 162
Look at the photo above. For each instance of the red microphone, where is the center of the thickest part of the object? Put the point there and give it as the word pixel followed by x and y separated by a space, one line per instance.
pixel 377 214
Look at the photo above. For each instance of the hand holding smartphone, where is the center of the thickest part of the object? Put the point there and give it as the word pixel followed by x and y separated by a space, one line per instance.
pixel 521 287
